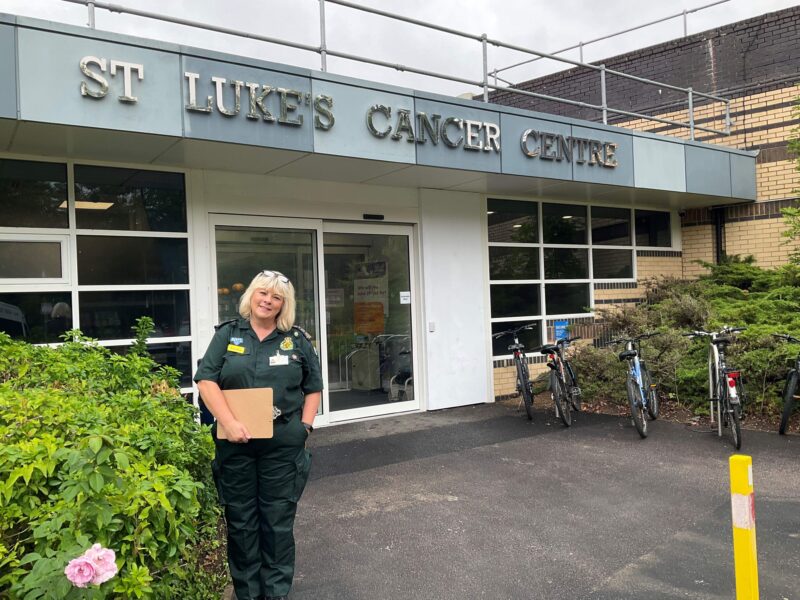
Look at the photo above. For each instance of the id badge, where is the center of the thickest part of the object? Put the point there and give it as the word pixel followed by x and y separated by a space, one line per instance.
pixel 278 360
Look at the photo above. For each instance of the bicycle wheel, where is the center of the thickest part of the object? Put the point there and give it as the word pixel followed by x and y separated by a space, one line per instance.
pixel 652 394
pixel 574 389
pixel 525 389
pixel 734 426
pixel 561 398
pixel 788 401
pixel 637 407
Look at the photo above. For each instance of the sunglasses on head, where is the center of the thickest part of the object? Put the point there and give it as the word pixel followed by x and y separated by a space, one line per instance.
pixel 281 277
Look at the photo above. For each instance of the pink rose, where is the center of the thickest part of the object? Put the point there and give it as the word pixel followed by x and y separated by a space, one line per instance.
pixel 80 571
pixel 103 561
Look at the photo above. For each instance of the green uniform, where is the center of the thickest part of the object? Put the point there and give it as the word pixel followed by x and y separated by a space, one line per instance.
pixel 261 481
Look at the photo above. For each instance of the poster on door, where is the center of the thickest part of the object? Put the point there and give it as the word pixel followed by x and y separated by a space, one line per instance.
pixel 371 297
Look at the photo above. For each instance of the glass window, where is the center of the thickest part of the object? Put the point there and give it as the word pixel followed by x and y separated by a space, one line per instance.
pixel 612 264
pixel 567 298
pixel 30 260
pixel 129 199
pixel 513 263
pixel 531 338
pixel 653 228
pixel 244 251
pixel 107 260
pixel 566 263
pixel 611 226
pixel 36 317
pixel 564 224
pixel 177 355
pixel 33 194
pixel 513 221
pixel 515 300
pixel 111 315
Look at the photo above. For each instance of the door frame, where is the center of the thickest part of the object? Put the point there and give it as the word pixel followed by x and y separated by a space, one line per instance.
pixel 320 227
pixel 396 407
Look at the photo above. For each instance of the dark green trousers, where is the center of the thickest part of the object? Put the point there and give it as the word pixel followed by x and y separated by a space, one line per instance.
pixel 259 484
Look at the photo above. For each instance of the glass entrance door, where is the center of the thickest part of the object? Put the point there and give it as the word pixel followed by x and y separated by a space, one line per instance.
pixel 369 318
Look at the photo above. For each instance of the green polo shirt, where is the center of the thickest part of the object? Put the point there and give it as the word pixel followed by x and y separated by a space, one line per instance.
pixel 285 361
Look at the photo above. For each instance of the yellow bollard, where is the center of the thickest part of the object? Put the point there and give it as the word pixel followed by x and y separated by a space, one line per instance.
pixel 743 512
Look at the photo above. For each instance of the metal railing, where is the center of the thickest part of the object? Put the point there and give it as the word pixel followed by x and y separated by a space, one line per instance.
pixel 324 52
pixel 581 45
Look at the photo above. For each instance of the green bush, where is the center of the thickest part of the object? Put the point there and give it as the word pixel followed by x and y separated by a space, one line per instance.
pixel 101 448
pixel 735 293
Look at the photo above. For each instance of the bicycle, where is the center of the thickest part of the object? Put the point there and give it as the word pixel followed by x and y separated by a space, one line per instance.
pixel 524 384
pixel 563 383
pixel 725 389
pixel 641 391
pixel 790 387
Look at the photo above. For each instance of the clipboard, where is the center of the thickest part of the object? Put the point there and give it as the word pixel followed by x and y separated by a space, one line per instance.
pixel 253 407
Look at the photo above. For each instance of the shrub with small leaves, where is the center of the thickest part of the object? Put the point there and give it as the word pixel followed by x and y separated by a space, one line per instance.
pixel 101 448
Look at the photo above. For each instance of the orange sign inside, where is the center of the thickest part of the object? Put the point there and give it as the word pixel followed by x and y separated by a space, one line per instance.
pixel 369 317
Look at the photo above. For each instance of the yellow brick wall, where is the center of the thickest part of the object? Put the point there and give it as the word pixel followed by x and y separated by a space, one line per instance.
pixel 776 180
pixel 505 378
pixel 698 244
pixel 648 267
pixel 761 238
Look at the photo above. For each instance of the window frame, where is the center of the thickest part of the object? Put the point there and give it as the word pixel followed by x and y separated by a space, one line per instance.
pixel 68 239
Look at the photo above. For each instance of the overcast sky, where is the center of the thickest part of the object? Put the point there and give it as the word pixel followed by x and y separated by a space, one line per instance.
pixel 544 26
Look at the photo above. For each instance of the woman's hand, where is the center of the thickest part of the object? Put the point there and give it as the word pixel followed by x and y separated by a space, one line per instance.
pixel 237 432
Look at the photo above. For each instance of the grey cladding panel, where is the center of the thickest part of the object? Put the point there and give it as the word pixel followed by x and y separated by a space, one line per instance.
pixel 50 81
pixel 280 115
pixel 543 154
pixel 453 124
pixel 585 166
pixel 708 171
pixel 8 73
pixel 743 177
pixel 350 134
pixel 659 165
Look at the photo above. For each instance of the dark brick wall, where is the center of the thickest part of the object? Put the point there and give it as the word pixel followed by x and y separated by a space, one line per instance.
pixel 739 59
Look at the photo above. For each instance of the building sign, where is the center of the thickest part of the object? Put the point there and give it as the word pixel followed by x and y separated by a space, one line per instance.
pixel 273 104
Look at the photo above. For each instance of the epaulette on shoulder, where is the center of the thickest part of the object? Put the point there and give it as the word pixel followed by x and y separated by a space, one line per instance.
pixel 221 325
pixel 303 331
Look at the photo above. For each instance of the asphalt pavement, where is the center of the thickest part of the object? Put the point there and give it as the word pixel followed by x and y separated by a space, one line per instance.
pixel 478 502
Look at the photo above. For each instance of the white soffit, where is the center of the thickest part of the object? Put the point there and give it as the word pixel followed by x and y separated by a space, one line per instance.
pixel 336 168
pixel 219 156
pixel 91 144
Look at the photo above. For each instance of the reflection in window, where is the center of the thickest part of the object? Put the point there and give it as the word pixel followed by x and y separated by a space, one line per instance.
pixel 530 338
pixel 566 263
pixel 567 298
pixel 611 226
pixel 111 315
pixel 653 228
pixel 33 194
pixel 512 300
pixel 513 263
pixel 177 355
pixel 244 251
pixel 513 221
pixel 564 224
pixel 30 260
pixel 36 317
pixel 129 199
pixel 119 260
pixel 612 264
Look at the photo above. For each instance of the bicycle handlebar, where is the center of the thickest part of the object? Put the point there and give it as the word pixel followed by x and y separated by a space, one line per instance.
pixel 512 331
pixel 786 337
pixel 642 336
pixel 723 331
pixel 568 340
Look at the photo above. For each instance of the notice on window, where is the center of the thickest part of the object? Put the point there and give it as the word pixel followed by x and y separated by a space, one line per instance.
pixel 405 297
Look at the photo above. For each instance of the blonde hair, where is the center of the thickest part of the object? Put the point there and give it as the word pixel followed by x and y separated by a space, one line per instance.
pixel 272 283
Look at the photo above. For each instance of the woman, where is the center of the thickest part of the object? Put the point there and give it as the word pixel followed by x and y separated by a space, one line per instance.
pixel 261 480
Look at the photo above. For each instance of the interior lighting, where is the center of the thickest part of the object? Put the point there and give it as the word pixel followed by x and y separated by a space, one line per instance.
pixel 87 205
